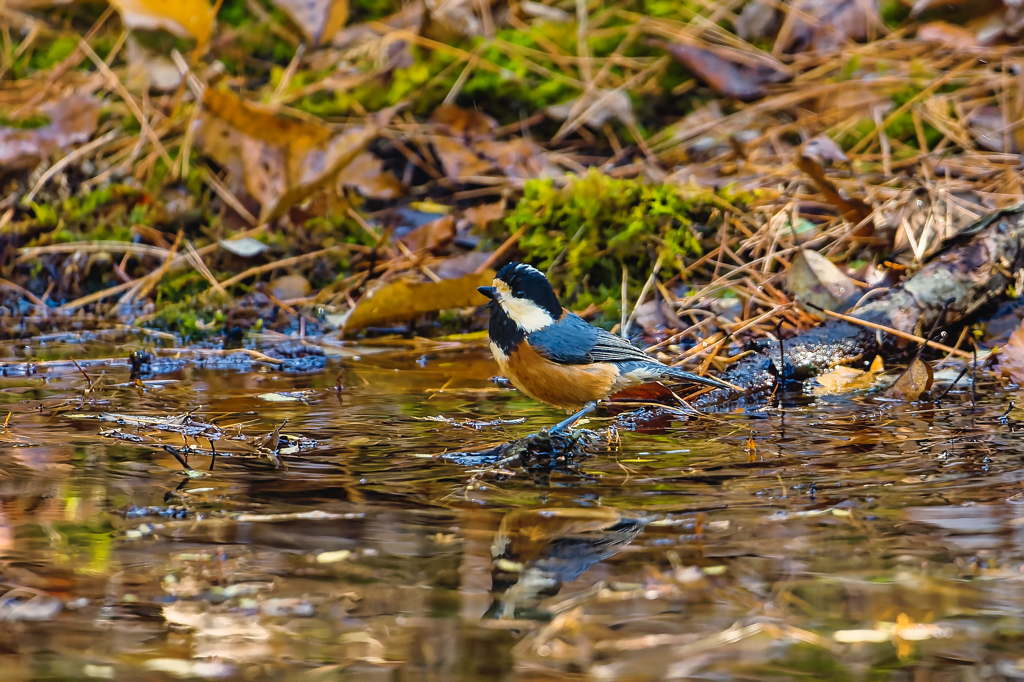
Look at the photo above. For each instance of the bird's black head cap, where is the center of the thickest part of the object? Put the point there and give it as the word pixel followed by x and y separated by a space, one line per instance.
pixel 527 282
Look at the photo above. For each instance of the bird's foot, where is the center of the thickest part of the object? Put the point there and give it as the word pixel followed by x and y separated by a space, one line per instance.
pixel 568 422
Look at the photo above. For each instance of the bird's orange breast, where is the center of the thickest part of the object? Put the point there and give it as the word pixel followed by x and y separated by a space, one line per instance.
pixel 566 386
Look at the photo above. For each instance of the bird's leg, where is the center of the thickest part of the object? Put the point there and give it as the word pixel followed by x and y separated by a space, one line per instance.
pixel 569 421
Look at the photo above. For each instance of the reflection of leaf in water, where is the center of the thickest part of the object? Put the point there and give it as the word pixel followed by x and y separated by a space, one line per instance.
pixel 281 160
pixel 183 18
pixel 916 379
pixel 403 299
pixel 318 19
pixel 73 120
pixel 843 379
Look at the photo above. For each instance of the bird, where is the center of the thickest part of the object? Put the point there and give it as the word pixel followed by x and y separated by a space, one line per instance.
pixel 555 356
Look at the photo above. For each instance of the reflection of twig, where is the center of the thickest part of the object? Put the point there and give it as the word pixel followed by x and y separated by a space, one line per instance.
pixel 87 379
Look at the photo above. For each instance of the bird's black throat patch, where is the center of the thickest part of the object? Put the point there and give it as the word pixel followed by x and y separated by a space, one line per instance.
pixel 503 331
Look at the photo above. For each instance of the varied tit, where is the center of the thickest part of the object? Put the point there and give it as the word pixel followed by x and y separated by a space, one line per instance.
pixel 558 358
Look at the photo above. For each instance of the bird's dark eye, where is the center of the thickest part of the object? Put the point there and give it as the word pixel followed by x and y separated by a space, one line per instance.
pixel 519 293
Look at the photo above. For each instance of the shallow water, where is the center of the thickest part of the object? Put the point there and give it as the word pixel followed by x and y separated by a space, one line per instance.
pixel 857 539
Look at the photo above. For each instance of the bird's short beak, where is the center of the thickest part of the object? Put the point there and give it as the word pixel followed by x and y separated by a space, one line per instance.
pixel 489 292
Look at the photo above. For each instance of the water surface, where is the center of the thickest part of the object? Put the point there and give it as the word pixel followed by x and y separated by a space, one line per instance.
pixel 857 539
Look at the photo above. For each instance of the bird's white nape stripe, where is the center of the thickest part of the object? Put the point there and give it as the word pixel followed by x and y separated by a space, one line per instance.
pixel 527 315
pixel 523 267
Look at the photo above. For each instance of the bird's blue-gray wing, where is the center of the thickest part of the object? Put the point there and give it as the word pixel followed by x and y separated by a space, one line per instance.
pixel 573 341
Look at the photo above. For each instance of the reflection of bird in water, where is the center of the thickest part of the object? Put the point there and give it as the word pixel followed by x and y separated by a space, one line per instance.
pixel 535 551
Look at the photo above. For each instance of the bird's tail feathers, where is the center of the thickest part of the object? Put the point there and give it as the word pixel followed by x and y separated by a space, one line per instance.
pixel 655 371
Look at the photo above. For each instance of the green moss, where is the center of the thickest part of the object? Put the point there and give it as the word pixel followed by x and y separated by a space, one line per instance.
pixel 35 120
pixel 596 224
pixel 850 68
pixel 369 10
pixel 182 319
pixel 234 12
pixel 46 216
pixel 52 54
pixel 502 92
pixel 893 12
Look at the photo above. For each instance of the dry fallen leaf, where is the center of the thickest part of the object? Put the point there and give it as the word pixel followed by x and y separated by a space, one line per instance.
pixel 456 17
pixel 459 265
pixel 829 24
pixel 518 158
pixel 722 75
pixel 915 380
pixel 598 108
pixel 73 120
pixel 318 19
pixel 989 127
pixel 1011 357
pixel 843 379
pixel 403 299
pixel 758 20
pixel 484 214
pixel 458 159
pixel 148 70
pixel 246 247
pixel 281 160
pixel 822 148
pixel 432 235
pixel 919 6
pixel 463 122
pixel 852 208
pixel 289 287
pixel 947 35
pixel 814 279
pixel 929 218
pixel 367 175
pixel 183 18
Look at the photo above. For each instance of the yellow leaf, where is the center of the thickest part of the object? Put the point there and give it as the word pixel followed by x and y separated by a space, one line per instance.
pixel 914 381
pixel 843 379
pixel 184 18
pixel 280 160
pixel 403 300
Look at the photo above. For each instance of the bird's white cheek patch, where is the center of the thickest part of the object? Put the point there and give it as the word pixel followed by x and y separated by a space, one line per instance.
pixel 529 316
